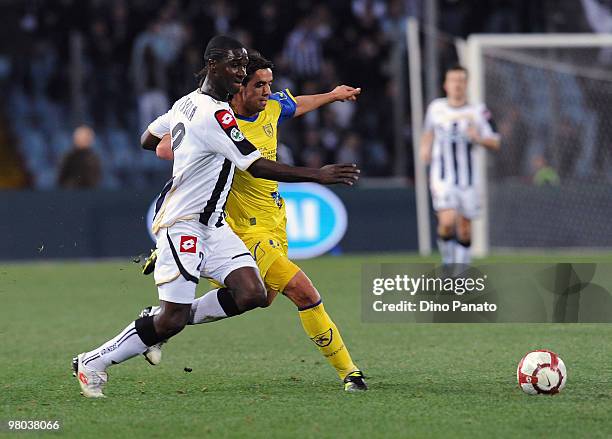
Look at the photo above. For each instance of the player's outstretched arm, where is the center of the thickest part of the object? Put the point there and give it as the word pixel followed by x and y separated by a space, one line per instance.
pixel 308 103
pixel 330 174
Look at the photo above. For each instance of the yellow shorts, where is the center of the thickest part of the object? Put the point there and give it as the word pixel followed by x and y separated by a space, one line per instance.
pixel 270 253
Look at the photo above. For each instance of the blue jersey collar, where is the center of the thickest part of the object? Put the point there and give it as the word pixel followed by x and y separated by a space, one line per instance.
pixel 248 119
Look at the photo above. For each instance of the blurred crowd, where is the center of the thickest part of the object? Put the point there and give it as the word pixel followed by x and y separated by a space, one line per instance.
pixel 114 65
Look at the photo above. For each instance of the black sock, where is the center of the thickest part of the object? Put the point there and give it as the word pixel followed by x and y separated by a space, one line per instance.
pixel 227 302
pixel 146 331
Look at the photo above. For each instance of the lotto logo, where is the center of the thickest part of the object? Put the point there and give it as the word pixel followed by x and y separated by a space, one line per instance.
pixel 188 244
pixel 225 118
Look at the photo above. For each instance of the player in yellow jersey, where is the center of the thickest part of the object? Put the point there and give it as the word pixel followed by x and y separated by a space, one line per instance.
pixel 256 212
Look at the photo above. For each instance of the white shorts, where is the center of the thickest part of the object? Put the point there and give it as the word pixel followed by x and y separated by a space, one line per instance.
pixel 466 201
pixel 190 250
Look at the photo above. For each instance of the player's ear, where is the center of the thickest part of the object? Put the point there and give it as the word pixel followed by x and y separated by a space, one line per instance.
pixel 212 65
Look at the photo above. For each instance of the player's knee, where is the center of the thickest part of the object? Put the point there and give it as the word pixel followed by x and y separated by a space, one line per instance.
pixel 252 295
pixel 464 232
pixel 301 291
pixel 270 296
pixel 445 231
pixel 464 235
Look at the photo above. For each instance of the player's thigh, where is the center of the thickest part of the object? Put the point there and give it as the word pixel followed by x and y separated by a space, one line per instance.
pixel 445 203
pixel 247 285
pixel 224 254
pixel 447 219
pixel 280 273
pixel 266 249
pixel 443 196
pixel 179 258
pixel 470 203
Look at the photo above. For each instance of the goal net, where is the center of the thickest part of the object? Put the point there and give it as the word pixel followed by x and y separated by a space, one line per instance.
pixel 550 185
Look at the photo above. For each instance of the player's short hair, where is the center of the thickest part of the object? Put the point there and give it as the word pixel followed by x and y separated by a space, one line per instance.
pixel 457 68
pixel 218 46
pixel 256 62
pixel 217 49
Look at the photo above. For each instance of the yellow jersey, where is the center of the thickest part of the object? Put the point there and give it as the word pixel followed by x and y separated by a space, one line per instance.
pixel 254 204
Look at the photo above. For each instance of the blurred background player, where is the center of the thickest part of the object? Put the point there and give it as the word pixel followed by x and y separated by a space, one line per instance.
pixel 256 212
pixel 453 129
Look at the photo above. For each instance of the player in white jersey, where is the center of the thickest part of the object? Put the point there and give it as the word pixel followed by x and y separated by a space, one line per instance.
pixel 453 130
pixel 192 236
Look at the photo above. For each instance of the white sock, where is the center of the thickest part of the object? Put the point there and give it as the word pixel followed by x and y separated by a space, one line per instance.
pixel 206 309
pixel 123 347
pixel 463 253
pixel 447 250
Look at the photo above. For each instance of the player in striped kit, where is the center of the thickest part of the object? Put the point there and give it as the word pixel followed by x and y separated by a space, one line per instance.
pixel 192 235
pixel 453 130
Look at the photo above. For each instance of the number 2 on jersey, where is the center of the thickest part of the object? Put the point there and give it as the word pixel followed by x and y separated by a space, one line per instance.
pixel 178 133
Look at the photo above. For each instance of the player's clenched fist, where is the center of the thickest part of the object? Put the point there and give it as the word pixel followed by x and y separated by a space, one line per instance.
pixel 345 92
pixel 345 174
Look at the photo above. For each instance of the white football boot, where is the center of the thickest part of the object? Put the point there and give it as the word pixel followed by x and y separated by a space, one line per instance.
pixel 91 381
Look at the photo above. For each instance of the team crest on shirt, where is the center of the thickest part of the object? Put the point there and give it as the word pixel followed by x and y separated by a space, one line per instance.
pixel 236 135
pixel 323 339
pixel 278 200
pixel 188 244
pixel 268 129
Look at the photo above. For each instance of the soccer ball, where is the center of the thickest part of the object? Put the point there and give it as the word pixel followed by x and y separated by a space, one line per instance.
pixel 541 372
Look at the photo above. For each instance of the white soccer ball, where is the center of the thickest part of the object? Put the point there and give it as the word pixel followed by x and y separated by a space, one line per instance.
pixel 541 372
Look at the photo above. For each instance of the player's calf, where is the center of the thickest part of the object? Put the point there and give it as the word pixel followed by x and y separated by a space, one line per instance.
pixel 446 245
pixel 464 241
pixel 171 320
pixel 301 291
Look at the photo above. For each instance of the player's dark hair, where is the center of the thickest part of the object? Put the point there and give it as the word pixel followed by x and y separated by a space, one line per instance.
pixel 218 46
pixel 217 49
pixel 256 62
pixel 457 68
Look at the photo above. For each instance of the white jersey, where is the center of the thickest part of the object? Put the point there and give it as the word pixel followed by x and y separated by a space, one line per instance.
pixel 452 155
pixel 207 143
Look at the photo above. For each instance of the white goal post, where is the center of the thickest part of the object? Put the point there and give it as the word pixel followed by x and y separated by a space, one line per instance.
pixel 472 56
pixel 550 185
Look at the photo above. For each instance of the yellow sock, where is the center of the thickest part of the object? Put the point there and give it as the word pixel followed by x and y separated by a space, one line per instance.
pixel 323 332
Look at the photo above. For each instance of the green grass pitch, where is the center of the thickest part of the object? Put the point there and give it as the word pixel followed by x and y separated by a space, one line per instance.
pixel 257 375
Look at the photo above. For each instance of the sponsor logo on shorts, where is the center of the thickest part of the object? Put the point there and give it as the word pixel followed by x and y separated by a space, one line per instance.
pixel 323 339
pixel 188 244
